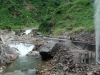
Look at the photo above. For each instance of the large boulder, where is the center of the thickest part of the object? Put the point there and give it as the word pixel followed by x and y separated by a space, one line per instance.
pixel 49 50
pixel 7 54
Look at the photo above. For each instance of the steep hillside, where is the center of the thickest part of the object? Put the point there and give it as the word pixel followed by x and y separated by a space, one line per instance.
pixel 56 15
pixel 15 14
pixel 76 15
pixel 24 13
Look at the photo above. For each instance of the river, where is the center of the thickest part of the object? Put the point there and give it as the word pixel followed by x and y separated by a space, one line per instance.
pixel 23 61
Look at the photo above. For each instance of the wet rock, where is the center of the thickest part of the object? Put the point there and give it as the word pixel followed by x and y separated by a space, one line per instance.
pixel 34 53
pixel 37 71
pixel 13 57
pixel 13 51
pixel 24 70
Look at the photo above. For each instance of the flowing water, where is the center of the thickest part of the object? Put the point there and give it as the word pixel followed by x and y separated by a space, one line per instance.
pixel 28 31
pixel 23 61
pixel 97 29
pixel 23 48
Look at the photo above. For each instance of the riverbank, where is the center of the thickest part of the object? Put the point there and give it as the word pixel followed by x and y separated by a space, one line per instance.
pixel 70 58
pixel 73 60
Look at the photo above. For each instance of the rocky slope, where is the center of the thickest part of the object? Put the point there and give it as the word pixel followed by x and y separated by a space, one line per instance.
pixel 69 59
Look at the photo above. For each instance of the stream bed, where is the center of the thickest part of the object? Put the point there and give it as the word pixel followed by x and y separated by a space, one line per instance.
pixel 24 62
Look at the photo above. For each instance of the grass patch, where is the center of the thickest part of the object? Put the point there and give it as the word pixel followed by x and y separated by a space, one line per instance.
pixel 59 31
pixel 78 29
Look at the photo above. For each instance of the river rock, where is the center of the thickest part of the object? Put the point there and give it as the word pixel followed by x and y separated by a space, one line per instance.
pixel 33 53
pixel 49 50
pixel 1 71
pixel 7 54
pixel 37 47
pixel 19 32
pixel 13 56
pixel 13 51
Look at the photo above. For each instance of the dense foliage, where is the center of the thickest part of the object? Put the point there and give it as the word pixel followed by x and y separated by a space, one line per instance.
pixel 56 15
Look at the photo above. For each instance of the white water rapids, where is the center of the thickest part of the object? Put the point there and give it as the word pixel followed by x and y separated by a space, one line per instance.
pixel 23 48
pixel 28 31
pixel 23 61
